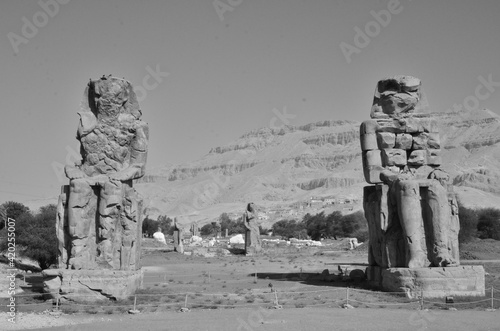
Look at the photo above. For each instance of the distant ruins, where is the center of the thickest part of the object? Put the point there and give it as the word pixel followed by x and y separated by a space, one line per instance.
pixel 411 209
pixel 99 216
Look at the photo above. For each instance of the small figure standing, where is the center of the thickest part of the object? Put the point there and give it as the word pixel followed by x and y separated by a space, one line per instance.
pixel 178 238
pixel 252 234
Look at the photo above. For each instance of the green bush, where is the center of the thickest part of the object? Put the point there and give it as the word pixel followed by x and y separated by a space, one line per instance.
pixel 488 225
pixel 333 225
pixel 468 224
pixel 149 227
pixel 290 229
pixel 35 234
pixel 232 226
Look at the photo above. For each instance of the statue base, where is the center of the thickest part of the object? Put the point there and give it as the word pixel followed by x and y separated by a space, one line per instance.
pixel 431 282
pixel 90 285
pixel 252 251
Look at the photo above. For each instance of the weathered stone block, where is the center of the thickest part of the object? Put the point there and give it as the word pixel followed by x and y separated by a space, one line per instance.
pixel 368 141
pixel 90 285
pixel 417 157
pixel 372 158
pixel 431 282
pixel 391 125
pixel 369 126
pixel 434 157
pixel 393 157
pixel 403 141
pixel 413 125
pixel 386 140
pixel 372 166
pixel 420 140
pixel 434 142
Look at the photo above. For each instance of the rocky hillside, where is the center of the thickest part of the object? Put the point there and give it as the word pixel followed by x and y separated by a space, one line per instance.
pixel 276 167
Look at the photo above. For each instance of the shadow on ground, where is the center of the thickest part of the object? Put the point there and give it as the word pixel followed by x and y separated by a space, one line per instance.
pixel 317 279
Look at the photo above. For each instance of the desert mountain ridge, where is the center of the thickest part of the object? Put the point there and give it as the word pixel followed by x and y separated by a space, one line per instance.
pixel 277 168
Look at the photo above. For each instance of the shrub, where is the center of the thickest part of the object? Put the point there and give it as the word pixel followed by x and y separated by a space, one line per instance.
pixel 323 226
pixel 290 229
pixel 232 226
pixel 35 234
pixel 468 224
pixel 488 225
pixel 149 227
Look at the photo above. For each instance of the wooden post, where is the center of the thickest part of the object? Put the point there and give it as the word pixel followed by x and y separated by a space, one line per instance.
pixel 421 299
pixel 255 276
pixel 347 295
pixel 492 305
pixel 186 301
pixel 135 301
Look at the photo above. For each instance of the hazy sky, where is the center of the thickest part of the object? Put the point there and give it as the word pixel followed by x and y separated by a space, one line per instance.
pixel 227 70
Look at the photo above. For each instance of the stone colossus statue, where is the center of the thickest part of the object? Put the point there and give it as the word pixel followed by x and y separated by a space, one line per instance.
pixel 103 210
pixel 411 210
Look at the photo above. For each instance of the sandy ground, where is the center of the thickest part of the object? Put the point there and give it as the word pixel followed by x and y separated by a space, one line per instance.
pixel 295 319
pixel 233 276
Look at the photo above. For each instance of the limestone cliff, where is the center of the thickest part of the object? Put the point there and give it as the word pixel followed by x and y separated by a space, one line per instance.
pixel 278 166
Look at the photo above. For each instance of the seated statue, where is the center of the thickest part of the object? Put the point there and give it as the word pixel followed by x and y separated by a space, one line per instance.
pixel 102 210
pixel 411 210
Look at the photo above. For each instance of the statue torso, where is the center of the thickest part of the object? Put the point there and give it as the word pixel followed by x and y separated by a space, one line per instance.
pixel 106 149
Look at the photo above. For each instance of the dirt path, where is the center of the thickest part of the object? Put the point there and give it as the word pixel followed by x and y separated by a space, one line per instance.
pixel 298 319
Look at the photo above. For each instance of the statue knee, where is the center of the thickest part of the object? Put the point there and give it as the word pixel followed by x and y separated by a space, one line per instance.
pixel 79 185
pixel 409 187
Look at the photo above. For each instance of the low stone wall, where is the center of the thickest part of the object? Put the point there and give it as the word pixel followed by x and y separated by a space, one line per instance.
pixel 90 285
pixel 431 282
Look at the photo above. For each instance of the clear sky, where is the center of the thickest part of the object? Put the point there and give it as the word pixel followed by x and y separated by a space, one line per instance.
pixel 227 70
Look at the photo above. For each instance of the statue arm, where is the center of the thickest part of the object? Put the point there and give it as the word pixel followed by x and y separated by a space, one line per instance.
pixel 73 172
pixel 245 220
pixel 138 155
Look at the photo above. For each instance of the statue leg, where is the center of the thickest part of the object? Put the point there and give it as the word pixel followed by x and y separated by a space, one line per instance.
pixel 440 217
pixel 129 218
pixel 455 227
pixel 410 215
pixel 110 206
pixel 81 222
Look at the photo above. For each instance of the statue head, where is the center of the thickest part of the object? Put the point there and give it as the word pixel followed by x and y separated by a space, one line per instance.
pixel 251 207
pixel 108 97
pixel 398 96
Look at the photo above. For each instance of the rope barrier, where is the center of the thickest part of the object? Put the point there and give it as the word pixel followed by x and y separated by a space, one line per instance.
pixel 288 294
pixel 385 303
pixel 458 303
pixel 255 291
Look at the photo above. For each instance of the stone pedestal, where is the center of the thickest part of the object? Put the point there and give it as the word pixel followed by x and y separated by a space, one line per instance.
pixel 90 285
pixel 436 282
